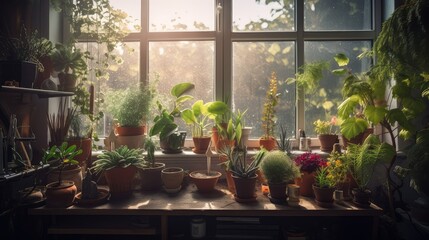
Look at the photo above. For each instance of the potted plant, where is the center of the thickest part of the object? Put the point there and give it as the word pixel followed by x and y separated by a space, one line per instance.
pixel 171 140
pixel 339 170
pixel 20 58
pixel 172 178
pixel 279 170
pixel 70 64
pixel 326 134
pixel 324 186
pixel 196 116
pixel 61 193
pixel 363 159
pixel 151 174
pixel 284 143
pixel 269 118
pixel 129 108
pixel 119 167
pixel 308 164
pixel 79 134
pixel 243 173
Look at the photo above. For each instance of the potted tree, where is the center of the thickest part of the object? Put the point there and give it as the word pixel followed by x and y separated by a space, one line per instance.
pixel 326 134
pixel 171 140
pixel 20 58
pixel 61 193
pixel 70 64
pixel 151 174
pixel 119 167
pixel 279 170
pixel 129 108
pixel 196 116
pixel 269 118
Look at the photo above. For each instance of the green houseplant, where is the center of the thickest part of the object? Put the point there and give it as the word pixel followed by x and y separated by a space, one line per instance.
pixel 20 57
pixel 269 118
pixel 61 159
pixel 326 134
pixel 279 170
pixel 151 174
pixel 197 117
pixel 171 140
pixel 324 186
pixel 119 167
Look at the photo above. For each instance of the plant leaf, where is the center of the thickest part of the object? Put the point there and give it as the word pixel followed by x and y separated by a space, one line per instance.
pixel 375 114
pixel 353 126
pixel 341 59
pixel 181 88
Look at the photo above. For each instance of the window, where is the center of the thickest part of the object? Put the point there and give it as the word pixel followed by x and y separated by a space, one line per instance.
pixel 230 48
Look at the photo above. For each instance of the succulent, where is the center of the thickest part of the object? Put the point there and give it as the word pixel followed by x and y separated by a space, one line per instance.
pixel 122 157
pixel 278 167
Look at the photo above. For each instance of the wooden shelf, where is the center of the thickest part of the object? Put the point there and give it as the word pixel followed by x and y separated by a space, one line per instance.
pixel 40 92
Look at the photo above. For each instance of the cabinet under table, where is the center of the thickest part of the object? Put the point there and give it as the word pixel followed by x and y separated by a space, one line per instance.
pixel 159 215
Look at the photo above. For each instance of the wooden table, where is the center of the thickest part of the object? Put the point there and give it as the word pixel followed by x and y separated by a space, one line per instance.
pixel 162 206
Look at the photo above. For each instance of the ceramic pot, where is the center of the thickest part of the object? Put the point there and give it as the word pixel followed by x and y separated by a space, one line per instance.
pixel 74 174
pixel 269 144
pixel 324 196
pixel 278 190
pixel 305 182
pixel 245 187
pixel 201 144
pixel 120 181
pixel 151 177
pixel 60 196
pixel 327 142
pixel 172 177
pixel 204 182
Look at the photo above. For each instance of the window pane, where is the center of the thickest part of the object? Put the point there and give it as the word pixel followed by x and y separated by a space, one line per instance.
pixel 181 15
pixel 123 73
pixel 253 64
pixel 185 61
pixel 337 15
pixel 133 10
pixel 324 103
pixel 263 16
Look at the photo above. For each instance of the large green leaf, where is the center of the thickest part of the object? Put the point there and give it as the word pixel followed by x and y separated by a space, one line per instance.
pixel 217 107
pixel 198 108
pixel 353 126
pixel 181 88
pixel 375 114
pixel 167 130
pixel 397 115
pixel 341 59
pixel 348 106
pixel 188 116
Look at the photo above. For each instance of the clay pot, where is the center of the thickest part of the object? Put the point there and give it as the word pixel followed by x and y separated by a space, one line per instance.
pixel 60 196
pixel 305 182
pixel 278 190
pixel 204 182
pixel 327 142
pixel 151 177
pixel 120 181
pixel 269 144
pixel 201 144
pixel 73 174
pixel 324 196
pixel 129 131
pixel 172 177
pixel 245 187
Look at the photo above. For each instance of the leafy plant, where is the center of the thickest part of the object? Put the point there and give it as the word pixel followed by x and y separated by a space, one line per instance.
pixel 278 167
pixel 60 157
pixel 309 162
pixel 309 75
pixel 236 162
pixel 324 178
pixel 269 110
pixel 26 47
pixel 69 59
pixel 284 143
pixel 121 157
pixel 149 146
pixel 339 166
pixel 325 127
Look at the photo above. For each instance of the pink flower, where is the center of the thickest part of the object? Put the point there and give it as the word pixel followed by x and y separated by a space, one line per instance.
pixel 334 121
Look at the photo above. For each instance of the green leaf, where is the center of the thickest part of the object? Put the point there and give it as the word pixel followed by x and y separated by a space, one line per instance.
pixel 181 88
pixel 198 108
pixel 188 116
pixel 375 114
pixel 353 126
pixel 339 71
pixel 341 59
pixel 184 98
pixel 396 115
pixel 217 108
pixel 167 130
pixel 347 107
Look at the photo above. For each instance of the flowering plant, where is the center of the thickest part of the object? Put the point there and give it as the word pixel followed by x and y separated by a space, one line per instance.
pixel 339 166
pixel 310 162
pixel 325 127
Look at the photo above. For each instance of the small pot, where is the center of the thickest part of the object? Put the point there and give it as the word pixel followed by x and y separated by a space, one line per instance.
pixel 245 187
pixel 172 177
pixel 278 190
pixel 151 177
pixel 269 144
pixel 204 182
pixel 201 144
pixel 324 196
pixel 327 142
pixel 361 197
pixel 60 196
pixel 120 181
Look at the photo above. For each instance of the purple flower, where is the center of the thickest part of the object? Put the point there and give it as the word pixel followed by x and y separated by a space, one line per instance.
pixel 309 162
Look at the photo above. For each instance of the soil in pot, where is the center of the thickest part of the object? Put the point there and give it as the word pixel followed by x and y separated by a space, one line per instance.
pixel 151 177
pixel 203 181
pixel 120 181
pixel 60 195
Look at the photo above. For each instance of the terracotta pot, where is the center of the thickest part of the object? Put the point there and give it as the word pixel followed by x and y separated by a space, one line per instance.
pixel 86 145
pixel 172 177
pixel 201 144
pixel 327 142
pixel 204 182
pixel 67 82
pixel 305 182
pixel 278 190
pixel 74 175
pixel 60 196
pixel 129 131
pixel 245 187
pixel 120 181
pixel 323 195
pixel 151 177
pixel 361 197
pixel 269 144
